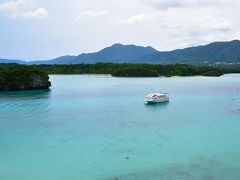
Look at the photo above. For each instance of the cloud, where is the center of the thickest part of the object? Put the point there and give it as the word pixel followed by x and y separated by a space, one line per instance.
pixel 218 24
pixel 23 9
pixel 167 4
pixel 92 14
pixel 180 28
pixel 170 20
pixel 140 18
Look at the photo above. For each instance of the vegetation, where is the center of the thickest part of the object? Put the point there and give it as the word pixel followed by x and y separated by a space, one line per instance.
pixel 229 68
pixel 22 77
pixel 212 73
pixel 129 70
pixel 135 72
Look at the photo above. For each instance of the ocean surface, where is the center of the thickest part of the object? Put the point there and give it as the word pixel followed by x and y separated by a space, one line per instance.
pixel 98 128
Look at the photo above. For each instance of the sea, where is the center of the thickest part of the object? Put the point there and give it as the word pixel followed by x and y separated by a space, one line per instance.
pixel 97 127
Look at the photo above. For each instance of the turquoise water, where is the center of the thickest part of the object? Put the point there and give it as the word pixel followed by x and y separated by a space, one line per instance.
pixel 97 127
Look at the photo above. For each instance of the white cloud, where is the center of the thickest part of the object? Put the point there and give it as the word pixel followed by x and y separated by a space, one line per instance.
pixel 27 9
pixel 92 14
pixel 167 4
pixel 140 18
pixel 170 20
pixel 179 28
pixel 219 24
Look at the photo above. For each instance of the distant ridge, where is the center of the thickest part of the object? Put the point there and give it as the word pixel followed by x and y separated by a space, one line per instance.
pixel 213 53
pixel 217 52
pixel 12 61
pixel 60 60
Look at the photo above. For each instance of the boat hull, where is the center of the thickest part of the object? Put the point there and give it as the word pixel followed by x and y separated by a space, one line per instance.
pixel 154 101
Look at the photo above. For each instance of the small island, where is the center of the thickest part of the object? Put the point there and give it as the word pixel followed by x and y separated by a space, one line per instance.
pixel 22 77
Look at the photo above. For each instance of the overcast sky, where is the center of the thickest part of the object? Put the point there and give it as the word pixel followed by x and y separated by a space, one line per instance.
pixel 45 29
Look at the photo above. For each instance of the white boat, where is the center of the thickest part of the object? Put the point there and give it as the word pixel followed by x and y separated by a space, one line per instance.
pixel 157 98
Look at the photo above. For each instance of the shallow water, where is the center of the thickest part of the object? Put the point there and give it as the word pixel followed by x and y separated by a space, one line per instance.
pixel 97 127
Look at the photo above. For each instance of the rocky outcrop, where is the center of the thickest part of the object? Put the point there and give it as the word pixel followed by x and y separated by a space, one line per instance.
pixel 21 77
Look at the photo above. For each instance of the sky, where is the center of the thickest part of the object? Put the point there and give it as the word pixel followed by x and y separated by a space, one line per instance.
pixel 43 29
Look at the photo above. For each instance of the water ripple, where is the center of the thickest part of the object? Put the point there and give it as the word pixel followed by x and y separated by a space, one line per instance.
pixel 23 105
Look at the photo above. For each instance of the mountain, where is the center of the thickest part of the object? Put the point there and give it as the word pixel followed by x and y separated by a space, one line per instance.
pixel 59 60
pixel 12 61
pixel 117 53
pixel 217 52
